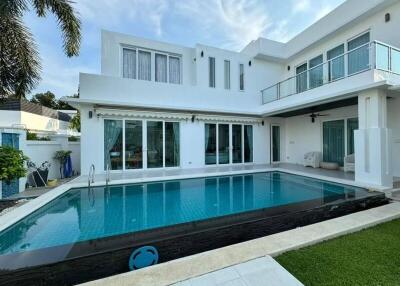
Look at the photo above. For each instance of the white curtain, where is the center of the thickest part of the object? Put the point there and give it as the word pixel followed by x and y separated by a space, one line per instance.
pixel 174 70
pixel 144 65
pixel 112 130
pixel 161 68
pixel 129 63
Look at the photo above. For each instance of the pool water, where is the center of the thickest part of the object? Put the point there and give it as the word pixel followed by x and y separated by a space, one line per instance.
pixel 84 214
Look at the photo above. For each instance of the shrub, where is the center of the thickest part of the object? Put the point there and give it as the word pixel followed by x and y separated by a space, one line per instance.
pixel 12 164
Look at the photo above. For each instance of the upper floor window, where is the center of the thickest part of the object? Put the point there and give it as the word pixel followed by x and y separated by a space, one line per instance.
pixel 129 63
pixel 144 65
pixel 227 74
pixel 161 68
pixel 358 57
pixel 139 64
pixel 211 71
pixel 174 69
pixel 241 77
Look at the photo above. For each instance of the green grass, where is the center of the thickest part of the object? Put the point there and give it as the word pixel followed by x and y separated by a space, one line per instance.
pixel 368 257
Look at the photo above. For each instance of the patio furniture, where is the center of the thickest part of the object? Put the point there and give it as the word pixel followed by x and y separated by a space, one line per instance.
pixel 312 159
pixel 349 164
pixel 329 165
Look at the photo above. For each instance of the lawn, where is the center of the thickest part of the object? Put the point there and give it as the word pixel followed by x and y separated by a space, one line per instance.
pixel 368 257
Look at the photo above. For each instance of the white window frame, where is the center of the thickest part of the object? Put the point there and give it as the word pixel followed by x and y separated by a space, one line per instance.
pixel 153 62
pixel 209 73
pixel 144 143
pixel 244 81
pixel 230 143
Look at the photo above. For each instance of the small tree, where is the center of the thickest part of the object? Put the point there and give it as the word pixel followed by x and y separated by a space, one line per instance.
pixel 61 156
pixel 75 122
pixel 12 164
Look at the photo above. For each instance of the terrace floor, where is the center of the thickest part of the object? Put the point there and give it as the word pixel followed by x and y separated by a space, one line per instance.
pixel 178 173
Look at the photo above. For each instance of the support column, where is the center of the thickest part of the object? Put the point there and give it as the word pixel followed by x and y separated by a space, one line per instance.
pixel 372 141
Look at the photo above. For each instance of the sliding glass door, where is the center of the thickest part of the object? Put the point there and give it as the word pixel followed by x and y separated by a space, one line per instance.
pixel 237 144
pixel 126 142
pixel 113 144
pixel 155 139
pixel 225 143
pixel 248 143
pixel 172 145
pixel 133 144
pixel 275 143
pixel 210 137
pixel 338 139
pixel 333 141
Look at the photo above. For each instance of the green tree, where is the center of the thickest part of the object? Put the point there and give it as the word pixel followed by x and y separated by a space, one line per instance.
pixel 12 164
pixel 75 122
pixel 47 99
pixel 19 60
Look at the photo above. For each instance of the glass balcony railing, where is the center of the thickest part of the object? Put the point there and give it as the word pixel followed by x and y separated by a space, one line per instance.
pixel 370 55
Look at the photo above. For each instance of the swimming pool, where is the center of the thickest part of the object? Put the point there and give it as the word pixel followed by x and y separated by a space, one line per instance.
pixel 84 221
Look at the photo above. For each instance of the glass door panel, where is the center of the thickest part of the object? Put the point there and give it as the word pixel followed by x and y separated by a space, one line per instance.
pixel 154 144
pixel 301 78
pixel 333 141
pixel 336 63
pixel 172 144
pixel 358 57
pixel 133 144
pixel 223 144
pixel 316 72
pixel 113 144
pixel 248 143
pixel 276 143
pixel 352 124
pixel 237 144
pixel 210 144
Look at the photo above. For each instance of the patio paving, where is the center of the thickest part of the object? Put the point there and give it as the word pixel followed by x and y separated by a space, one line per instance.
pixel 257 272
pixel 213 170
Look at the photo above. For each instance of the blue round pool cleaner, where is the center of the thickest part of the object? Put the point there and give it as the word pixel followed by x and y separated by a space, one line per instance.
pixel 143 257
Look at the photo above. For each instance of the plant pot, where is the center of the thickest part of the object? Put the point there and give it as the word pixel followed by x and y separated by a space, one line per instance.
pixel 41 180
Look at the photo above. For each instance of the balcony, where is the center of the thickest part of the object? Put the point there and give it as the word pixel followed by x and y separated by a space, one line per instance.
pixel 373 55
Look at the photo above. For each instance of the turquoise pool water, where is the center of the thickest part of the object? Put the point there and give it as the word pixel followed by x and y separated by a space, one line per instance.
pixel 82 214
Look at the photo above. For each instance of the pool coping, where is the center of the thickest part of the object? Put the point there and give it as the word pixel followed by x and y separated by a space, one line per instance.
pixel 19 213
pixel 199 264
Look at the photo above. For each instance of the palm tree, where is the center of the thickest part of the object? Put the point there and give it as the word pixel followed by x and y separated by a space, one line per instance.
pixel 19 59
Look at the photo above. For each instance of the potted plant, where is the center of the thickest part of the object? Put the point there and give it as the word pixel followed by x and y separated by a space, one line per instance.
pixel 12 164
pixel 62 157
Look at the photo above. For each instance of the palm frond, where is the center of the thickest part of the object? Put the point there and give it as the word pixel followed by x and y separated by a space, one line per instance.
pixel 19 60
pixel 67 19
pixel 12 7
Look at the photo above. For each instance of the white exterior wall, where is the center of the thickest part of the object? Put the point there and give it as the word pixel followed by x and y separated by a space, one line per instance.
pixel 303 136
pixel 9 118
pixel 191 142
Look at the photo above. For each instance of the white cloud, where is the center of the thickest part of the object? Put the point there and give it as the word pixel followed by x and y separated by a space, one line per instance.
pixel 112 13
pixel 236 22
pixel 301 6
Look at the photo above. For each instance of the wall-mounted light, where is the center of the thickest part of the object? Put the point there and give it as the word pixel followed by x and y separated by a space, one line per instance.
pixel 249 63
pixel 202 54
pixel 288 68
pixel 90 114
pixel 262 123
pixel 194 59
pixel 387 17
pixel 193 118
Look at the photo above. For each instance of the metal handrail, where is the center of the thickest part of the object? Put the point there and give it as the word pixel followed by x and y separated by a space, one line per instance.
pixel 91 175
pixel 108 179
pixel 373 62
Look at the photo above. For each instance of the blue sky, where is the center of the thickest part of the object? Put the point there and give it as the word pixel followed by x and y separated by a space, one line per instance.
pixel 227 24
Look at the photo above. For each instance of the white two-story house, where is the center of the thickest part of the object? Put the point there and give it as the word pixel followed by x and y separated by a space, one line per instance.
pixel 333 89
